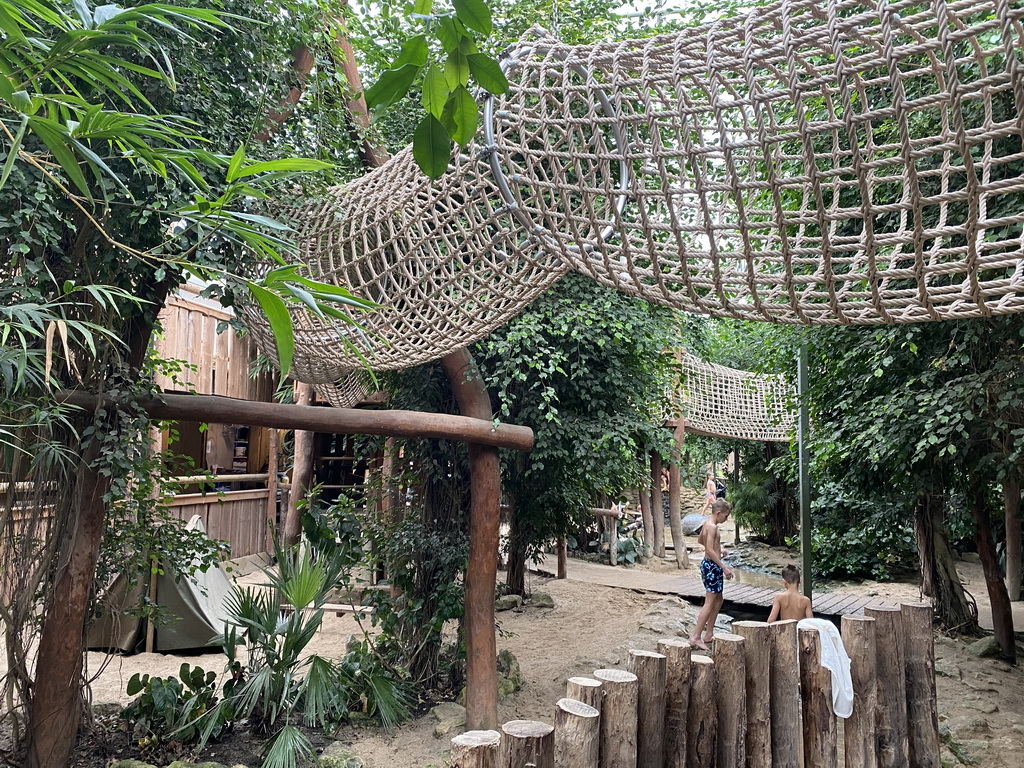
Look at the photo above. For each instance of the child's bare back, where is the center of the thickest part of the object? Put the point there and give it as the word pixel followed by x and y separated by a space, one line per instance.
pixel 790 604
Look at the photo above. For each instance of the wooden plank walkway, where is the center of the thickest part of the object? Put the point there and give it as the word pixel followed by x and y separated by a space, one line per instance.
pixel 825 604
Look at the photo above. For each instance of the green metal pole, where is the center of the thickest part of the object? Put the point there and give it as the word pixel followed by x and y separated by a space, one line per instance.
pixel 802 431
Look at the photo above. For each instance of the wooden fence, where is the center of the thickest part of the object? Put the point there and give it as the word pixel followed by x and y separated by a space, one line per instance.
pixel 762 699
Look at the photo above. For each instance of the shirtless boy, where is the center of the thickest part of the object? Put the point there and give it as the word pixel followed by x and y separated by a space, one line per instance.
pixel 790 604
pixel 712 569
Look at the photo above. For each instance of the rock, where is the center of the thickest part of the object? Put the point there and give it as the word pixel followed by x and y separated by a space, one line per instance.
pixel 339 755
pixel 948 642
pixel 542 600
pixel 971 557
pixel 132 763
pixel 449 716
pixel 211 764
pixel 971 751
pixel 985 648
pixel 948 760
pixel 508 602
pixel 947 668
pixel 510 676
pixel 872 593
pixel 985 707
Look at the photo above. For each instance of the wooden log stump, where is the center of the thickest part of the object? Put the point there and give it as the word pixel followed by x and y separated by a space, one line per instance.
pixel 677 698
pixel 922 704
pixel 477 749
pixel 731 700
pixel 562 548
pixel 860 746
pixel 618 718
pixel 577 734
pixel 585 689
pixel 651 672
pixel 529 744
pixel 890 670
pixel 819 722
pixel 757 668
pixel 702 714
pixel 784 682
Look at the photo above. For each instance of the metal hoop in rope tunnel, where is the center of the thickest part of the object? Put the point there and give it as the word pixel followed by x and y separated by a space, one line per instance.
pixel 554 225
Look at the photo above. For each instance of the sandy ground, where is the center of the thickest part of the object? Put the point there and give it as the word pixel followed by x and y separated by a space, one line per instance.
pixel 981 701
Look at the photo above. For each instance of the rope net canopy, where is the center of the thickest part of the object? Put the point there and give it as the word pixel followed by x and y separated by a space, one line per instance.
pixel 814 162
pixel 727 402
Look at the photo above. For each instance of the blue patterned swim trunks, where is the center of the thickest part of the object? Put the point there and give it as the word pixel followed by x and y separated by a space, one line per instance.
pixel 712 576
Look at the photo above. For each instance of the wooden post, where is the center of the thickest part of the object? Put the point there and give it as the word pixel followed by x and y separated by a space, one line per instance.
pixel 529 743
pixel 302 471
pixel 563 558
pixel 477 749
pixel 890 665
pixel 274 448
pixel 784 682
pixel 819 723
pixel 922 704
pixel 618 718
pixel 702 714
pixel 731 700
pixel 645 510
pixel 585 689
pixel 651 670
pixel 657 511
pixel 674 497
pixel 482 565
pixel 859 737
pixel 757 665
pixel 677 698
pixel 613 539
pixel 577 734
pixel 150 625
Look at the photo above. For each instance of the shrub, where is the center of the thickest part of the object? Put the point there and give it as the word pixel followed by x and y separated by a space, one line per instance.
pixel 169 710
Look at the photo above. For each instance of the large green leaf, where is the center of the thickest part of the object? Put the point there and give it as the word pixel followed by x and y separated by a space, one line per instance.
pixel 414 51
pixel 464 114
pixel 487 73
pixel 280 320
pixel 456 70
pixel 474 14
pixel 435 91
pixel 431 147
pixel 391 86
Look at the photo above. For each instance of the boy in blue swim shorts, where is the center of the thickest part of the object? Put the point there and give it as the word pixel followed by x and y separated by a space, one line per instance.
pixel 713 573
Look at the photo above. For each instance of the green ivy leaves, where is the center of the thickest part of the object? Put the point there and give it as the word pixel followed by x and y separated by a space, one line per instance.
pixel 445 62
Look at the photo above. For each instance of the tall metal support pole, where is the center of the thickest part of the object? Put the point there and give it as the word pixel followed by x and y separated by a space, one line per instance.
pixel 802 432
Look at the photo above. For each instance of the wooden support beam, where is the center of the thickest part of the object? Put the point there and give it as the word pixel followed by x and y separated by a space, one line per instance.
pixel 302 470
pixel 577 734
pixel 675 484
pixel 650 669
pixel 731 695
pixel 677 698
pixel 890 666
pixel 657 511
pixel 785 694
pixel 757 671
pixel 819 723
pixel 702 715
pixel 477 749
pixel 859 735
pixel 922 704
pixel 618 718
pixel 346 421
pixel 529 744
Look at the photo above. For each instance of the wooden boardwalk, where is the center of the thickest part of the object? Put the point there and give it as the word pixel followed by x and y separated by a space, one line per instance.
pixel 689 587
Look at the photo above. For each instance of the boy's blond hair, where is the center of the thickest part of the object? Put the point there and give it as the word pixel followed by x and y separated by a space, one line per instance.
pixel 721 505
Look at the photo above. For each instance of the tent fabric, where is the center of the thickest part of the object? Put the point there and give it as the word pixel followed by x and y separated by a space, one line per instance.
pixel 195 607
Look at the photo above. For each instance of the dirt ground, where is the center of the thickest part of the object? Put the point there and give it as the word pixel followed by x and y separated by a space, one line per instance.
pixel 981 701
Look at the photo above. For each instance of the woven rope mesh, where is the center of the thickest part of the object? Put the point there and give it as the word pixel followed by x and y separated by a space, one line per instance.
pixel 727 402
pixel 816 162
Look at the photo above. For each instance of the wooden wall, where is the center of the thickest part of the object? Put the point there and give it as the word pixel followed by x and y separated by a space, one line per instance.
pixel 239 517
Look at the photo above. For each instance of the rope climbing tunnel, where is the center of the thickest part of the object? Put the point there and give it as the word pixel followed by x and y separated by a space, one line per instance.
pixel 813 162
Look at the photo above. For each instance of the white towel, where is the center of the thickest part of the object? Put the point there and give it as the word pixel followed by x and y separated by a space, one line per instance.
pixel 835 659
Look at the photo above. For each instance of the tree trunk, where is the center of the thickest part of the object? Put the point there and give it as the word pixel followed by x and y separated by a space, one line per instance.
pixel 782 516
pixel 1011 512
pixel 675 483
pixel 518 538
pixel 482 568
pixel 645 511
pixel 657 511
pixel 1002 618
pixel 57 705
pixel 939 578
pixel 302 471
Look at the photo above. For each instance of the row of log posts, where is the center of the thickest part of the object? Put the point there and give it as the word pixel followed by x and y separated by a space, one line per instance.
pixel 762 699
pixel 608 519
pixel 651 501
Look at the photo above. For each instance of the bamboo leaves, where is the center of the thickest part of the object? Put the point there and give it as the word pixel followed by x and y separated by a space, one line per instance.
pixel 445 62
